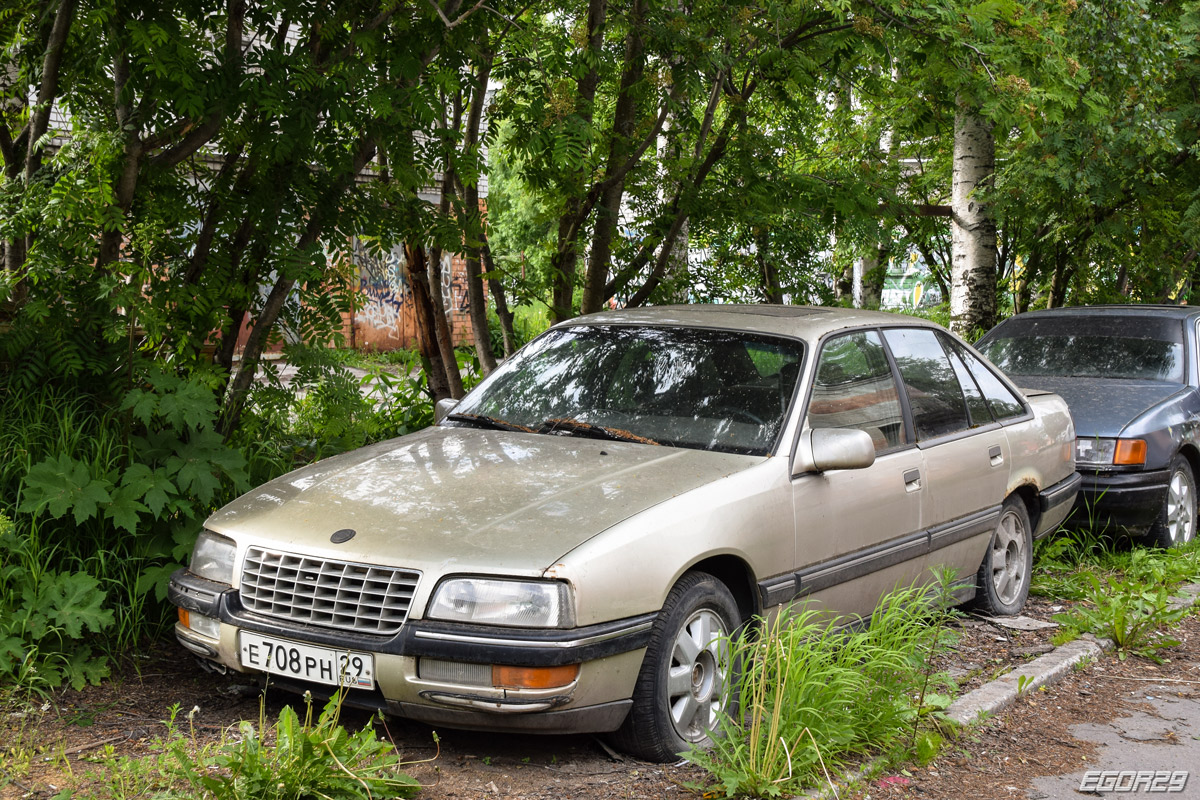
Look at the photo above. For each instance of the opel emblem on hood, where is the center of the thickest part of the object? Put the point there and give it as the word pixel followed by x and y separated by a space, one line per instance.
pixel 344 535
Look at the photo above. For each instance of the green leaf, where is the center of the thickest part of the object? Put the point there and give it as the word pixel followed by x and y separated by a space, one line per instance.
pixel 64 484
pixel 142 404
pixel 73 602
pixel 124 510
pixel 156 578
pixel 82 668
pixel 152 486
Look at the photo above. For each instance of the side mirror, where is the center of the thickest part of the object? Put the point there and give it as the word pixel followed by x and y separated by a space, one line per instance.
pixel 823 449
pixel 442 408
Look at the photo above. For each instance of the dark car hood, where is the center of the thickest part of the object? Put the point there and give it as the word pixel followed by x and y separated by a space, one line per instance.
pixel 1103 406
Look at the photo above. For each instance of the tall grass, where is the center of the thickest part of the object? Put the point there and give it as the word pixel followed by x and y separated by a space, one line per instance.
pixel 814 694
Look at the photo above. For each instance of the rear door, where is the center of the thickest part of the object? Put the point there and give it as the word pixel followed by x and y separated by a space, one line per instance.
pixel 966 451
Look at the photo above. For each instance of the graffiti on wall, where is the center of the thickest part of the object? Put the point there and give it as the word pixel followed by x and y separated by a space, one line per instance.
pixel 384 284
pixel 454 288
pixel 387 296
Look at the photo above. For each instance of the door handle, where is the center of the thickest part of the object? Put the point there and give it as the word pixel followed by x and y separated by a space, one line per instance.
pixel 912 480
pixel 996 455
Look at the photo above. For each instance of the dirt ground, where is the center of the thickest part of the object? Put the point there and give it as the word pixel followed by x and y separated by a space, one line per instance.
pixel 1001 757
pixel 46 748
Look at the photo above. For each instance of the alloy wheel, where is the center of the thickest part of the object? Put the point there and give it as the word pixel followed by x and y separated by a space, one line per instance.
pixel 697 675
pixel 1181 509
pixel 1008 558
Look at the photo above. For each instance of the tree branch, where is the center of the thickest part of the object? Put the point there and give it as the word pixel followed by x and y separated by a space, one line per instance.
pixel 454 7
pixel 40 120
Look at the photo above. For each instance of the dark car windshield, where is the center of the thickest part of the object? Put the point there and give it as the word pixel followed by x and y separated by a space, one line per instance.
pixel 682 387
pixel 1096 346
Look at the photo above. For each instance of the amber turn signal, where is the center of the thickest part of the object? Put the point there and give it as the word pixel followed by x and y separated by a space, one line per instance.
pixel 183 618
pixel 1130 452
pixel 533 677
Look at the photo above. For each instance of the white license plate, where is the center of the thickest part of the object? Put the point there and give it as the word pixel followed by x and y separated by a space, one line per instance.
pixel 310 663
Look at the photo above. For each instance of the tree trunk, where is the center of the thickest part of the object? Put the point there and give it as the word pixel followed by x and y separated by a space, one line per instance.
pixel 502 310
pixel 476 297
pixel 973 229
pixel 445 335
pixel 621 144
pixel 768 270
pixel 427 338
pixel 564 263
pixel 441 322
pixel 874 269
pixel 256 342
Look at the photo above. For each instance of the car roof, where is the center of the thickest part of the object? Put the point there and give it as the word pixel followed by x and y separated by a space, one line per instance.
pixel 805 322
pixel 1123 310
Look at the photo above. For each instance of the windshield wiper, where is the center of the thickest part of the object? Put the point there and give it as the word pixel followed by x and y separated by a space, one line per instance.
pixel 485 421
pixel 574 427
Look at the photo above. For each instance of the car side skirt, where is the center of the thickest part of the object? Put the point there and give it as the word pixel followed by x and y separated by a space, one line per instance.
pixel 814 578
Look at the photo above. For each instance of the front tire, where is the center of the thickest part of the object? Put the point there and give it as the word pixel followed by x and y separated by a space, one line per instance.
pixel 1002 585
pixel 1176 523
pixel 687 675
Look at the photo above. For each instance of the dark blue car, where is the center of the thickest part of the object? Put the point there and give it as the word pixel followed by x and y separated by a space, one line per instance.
pixel 1130 376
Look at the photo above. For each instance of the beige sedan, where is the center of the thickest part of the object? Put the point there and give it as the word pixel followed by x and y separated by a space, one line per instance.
pixel 564 550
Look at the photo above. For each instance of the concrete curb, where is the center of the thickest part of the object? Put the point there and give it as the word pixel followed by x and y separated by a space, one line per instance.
pixel 1004 691
pixel 1045 670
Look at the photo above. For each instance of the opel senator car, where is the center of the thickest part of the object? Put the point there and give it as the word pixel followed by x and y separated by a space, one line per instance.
pixel 1130 376
pixel 565 550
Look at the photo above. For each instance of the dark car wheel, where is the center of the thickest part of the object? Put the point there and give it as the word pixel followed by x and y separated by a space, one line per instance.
pixel 683 685
pixel 1002 585
pixel 1176 523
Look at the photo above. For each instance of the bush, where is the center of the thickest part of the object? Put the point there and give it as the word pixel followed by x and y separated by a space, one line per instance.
pixel 45 616
pixel 107 502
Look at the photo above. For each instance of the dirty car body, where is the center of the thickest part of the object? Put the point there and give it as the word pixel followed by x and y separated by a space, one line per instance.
pixel 565 549
pixel 1129 375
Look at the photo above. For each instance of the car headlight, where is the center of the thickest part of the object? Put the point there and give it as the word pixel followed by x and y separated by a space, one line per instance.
pixel 530 604
pixel 213 556
pixel 1097 452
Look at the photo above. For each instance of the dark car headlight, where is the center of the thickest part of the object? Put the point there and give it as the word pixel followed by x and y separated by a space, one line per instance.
pixel 1097 452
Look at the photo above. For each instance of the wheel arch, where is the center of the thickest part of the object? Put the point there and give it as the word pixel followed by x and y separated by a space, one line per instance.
pixel 1028 495
pixel 737 576
pixel 1188 451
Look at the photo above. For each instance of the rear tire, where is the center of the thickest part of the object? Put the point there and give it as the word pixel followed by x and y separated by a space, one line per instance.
pixel 687 674
pixel 1002 584
pixel 1176 523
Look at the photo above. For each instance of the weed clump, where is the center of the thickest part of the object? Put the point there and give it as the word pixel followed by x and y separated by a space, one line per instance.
pixel 814 694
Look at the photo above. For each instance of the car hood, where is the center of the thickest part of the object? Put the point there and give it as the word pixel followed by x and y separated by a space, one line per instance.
pixel 466 499
pixel 1103 406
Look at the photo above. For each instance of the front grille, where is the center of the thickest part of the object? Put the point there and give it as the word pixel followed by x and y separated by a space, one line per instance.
pixel 334 594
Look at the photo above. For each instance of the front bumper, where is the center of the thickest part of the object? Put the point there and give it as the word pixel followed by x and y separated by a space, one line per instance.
pixel 610 656
pixel 1120 501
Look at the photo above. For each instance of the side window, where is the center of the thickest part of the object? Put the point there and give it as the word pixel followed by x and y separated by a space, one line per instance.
pixel 854 388
pixel 1003 403
pixel 976 404
pixel 934 395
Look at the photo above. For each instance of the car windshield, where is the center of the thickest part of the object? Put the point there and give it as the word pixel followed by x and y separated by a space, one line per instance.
pixel 1097 346
pixel 681 387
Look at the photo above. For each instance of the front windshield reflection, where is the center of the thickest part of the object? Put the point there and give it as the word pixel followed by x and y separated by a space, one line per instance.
pixel 681 387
